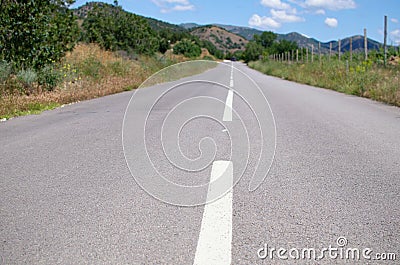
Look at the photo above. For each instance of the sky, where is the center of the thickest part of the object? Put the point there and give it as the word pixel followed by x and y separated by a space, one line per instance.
pixel 323 20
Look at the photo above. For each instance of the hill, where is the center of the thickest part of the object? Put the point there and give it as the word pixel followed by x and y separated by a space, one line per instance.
pixel 304 42
pixel 301 40
pixel 246 32
pixel 221 38
pixel 234 38
pixel 157 25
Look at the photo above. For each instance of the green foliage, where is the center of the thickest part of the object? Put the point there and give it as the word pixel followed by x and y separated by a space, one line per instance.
pixel 187 48
pixel 49 77
pixel 266 39
pixel 5 70
pixel 27 78
pixel 91 67
pixel 34 32
pixel 115 29
pixel 282 47
pixel 253 51
pixel 266 44
pixel 118 68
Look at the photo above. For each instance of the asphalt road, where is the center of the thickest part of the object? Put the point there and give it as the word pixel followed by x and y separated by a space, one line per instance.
pixel 73 191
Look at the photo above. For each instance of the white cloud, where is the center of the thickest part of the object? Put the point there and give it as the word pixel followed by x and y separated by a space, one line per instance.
pixel 320 12
pixel 284 17
pixel 331 22
pixel 174 5
pixel 277 4
pixel 276 19
pixel 394 20
pixel 183 7
pixel 263 22
pixel 395 35
pixel 330 4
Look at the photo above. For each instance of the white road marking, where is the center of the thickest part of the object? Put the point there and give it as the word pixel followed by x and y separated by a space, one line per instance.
pixel 215 240
pixel 228 107
pixel 229 100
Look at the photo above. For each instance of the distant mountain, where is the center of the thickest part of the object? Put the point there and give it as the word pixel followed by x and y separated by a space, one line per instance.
pixel 221 38
pixel 304 42
pixel 232 38
pixel 190 25
pixel 245 32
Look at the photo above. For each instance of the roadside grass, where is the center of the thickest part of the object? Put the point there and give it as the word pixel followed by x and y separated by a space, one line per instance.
pixel 85 73
pixel 363 79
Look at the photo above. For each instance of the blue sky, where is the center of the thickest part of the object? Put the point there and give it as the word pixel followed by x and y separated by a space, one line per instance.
pixel 321 19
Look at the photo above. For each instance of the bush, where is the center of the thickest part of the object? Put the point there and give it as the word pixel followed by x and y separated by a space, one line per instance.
pixel 34 32
pixel 27 78
pixel 49 77
pixel 187 48
pixel 5 70
pixel 91 67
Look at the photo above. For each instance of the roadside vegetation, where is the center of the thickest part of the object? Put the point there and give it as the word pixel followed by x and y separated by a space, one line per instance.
pixel 370 79
pixel 50 57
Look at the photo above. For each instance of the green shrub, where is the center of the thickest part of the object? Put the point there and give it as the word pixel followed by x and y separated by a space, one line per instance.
pixel 34 32
pixel 118 68
pixel 27 78
pixel 91 67
pixel 187 48
pixel 5 70
pixel 49 77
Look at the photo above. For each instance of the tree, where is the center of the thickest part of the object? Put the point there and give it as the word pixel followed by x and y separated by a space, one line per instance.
pixel 34 33
pixel 187 48
pixel 266 39
pixel 253 51
pixel 283 46
pixel 115 29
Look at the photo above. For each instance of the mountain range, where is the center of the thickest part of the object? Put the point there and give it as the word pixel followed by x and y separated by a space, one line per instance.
pixel 232 38
pixel 301 40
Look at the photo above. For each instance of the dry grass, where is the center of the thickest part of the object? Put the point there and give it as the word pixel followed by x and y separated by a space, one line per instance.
pixel 363 79
pixel 88 72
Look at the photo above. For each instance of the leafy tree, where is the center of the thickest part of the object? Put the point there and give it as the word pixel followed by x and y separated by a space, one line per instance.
pixel 266 39
pixel 187 48
pixel 253 51
pixel 283 46
pixel 34 33
pixel 116 29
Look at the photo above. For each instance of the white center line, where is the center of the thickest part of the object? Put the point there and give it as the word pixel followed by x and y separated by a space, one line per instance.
pixel 229 100
pixel 228 107
pixel 215 240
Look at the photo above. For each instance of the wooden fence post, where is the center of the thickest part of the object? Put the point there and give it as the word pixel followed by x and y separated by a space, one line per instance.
pixel 365 44
pixel 297 55
pixel 330 51
pixel 351 49
pixel 340 48
pixel 385 42
pixel 312 53
pixel 319 51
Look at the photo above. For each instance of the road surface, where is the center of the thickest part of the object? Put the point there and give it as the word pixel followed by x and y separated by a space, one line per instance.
pixel 71 193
